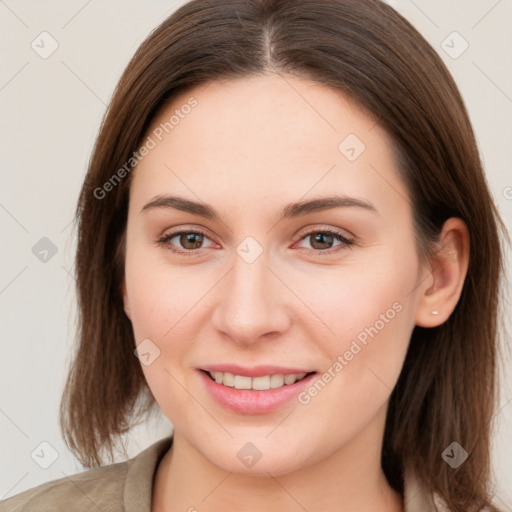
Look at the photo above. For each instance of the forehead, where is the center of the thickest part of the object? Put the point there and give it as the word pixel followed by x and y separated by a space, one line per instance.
pixel 267 136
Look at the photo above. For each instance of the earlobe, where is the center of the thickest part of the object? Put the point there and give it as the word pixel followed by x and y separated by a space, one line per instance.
pixel 441 290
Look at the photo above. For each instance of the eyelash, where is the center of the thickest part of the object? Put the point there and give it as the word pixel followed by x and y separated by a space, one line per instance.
pixel 347 242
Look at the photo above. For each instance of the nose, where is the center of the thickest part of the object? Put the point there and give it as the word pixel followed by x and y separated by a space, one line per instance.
pixel 252 304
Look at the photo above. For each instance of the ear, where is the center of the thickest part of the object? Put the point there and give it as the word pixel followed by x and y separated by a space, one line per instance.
pixel 440 291
pixel 125 299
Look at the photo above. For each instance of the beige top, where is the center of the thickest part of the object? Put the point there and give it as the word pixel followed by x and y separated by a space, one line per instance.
pixel 127 487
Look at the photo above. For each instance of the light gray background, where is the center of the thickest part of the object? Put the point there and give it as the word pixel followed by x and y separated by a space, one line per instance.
pixel 50 113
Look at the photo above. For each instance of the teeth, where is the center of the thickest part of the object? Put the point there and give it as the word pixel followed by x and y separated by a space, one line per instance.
pixel 276 381
pixel 242 382
pixel 289 379
pixel 257 383
pixel 261 383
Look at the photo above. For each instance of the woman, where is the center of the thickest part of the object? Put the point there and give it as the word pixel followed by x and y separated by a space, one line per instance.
pixel 286 220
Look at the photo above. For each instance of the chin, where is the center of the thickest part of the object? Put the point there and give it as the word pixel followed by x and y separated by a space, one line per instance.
pixel 259 457
pixel 274 466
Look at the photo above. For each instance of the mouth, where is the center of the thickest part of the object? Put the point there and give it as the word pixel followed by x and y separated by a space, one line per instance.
pixel 265 391
pixel 258 389
pixel 259 383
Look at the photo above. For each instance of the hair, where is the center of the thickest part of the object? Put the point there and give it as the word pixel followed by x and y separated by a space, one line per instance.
pixel 447 389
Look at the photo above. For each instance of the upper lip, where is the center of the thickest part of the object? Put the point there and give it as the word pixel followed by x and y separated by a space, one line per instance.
pixel 255 371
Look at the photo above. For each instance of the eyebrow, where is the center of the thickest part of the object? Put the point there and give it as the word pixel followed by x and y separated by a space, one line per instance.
pixel 291 210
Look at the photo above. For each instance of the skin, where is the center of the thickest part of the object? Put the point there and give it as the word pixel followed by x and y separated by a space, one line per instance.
pixel 250 147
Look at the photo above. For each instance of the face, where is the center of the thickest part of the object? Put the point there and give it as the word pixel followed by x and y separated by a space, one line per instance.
pixel 253 286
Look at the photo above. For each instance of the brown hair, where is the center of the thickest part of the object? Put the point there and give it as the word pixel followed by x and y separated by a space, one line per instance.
pixel 447 389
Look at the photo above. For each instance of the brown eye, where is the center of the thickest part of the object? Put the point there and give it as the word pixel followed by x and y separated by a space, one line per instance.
pixel 322 241
pixel 189 241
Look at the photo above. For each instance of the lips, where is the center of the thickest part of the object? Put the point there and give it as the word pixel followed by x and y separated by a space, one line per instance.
pixel 254 390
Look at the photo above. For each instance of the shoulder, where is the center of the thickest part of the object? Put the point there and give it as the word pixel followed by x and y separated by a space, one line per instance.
pixel 96 489
pixel 121 487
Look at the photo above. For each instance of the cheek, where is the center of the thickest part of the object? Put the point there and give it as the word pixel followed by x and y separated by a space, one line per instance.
pixel 362 301
pixel 164 305
pixel 162 297
pixel 371 311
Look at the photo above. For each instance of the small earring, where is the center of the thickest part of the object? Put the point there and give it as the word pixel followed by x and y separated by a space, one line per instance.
pixel 435 312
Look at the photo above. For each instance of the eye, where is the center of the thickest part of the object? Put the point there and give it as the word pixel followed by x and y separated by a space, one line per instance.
pixel 191 240
pixel 322 240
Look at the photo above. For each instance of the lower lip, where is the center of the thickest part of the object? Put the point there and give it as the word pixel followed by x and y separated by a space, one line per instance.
pixel 251 401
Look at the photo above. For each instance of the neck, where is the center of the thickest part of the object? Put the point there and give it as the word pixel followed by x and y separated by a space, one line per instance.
pixel 349 479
